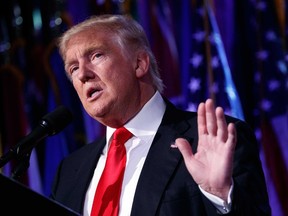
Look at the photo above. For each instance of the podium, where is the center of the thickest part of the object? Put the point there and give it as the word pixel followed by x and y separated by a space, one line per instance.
pixel 17 199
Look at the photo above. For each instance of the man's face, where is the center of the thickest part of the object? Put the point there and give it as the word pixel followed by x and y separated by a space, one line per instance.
pixel 104 76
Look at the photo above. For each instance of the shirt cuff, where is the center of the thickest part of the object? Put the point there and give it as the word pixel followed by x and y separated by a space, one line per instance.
pixel 222 206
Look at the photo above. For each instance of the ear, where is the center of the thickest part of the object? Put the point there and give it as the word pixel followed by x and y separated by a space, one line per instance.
pixel 142 64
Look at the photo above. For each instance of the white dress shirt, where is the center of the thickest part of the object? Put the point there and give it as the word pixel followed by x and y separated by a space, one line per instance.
pixel 143 127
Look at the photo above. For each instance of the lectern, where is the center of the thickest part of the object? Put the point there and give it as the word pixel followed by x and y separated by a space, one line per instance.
pixel 18 199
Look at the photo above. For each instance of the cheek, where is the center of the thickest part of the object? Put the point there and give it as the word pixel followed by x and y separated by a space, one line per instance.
pixel 78 88
pixel 121 83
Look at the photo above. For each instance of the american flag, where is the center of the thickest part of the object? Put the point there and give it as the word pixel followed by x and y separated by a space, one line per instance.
pixel 271 96
pixel 209 72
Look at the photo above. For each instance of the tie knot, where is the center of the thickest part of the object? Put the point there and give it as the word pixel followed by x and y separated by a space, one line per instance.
pixel 121 135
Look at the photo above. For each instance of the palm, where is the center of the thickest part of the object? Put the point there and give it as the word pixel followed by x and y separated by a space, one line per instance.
pixel 211 165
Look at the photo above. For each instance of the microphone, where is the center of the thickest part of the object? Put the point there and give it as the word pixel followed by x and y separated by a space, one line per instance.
pixel 50 124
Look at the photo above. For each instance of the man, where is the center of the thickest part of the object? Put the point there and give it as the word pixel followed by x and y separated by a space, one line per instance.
pixel 178 162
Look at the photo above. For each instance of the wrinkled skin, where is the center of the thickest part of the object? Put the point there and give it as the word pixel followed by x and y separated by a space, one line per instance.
pixel 113 84
pixel 214 156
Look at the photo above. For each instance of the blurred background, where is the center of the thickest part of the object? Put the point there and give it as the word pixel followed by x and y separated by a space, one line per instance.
pixel 232 51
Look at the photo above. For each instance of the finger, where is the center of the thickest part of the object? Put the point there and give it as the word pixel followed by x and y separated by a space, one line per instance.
pixel 222 132
pixel 184 147
pixel 211 123
pixel 232 135
pixel 201 119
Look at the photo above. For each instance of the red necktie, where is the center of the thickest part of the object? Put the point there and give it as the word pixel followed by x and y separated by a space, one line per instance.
pixel 107 196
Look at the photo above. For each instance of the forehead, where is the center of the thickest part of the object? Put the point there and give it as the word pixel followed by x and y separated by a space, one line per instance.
pixel 90 36
pixel 90 39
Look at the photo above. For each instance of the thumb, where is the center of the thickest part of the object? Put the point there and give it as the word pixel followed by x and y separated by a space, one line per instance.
pixel 184 147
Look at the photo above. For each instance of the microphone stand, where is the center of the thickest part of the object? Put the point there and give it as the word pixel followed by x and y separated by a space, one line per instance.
pixel 22 166
pixel 6 157
pixel 26 145
pixel 22 151
pixel 23 162
pixel 49 125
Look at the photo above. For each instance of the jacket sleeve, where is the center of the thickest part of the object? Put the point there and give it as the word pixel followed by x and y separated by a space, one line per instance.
pixel 250 195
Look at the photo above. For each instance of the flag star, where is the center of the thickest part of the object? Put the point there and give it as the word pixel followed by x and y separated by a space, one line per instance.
pixel 199 36
pixel 211 39
pixel 266 105
pixel 273 85
pixel 194 84
pixel 261 6
pixel 227 111
pixel 282 66
pixel 196 60
pixel 4 46
pixel 192 107
pixel 100 2
pixel 216 38
pixel 214 87
pixel 215 62
pixel 258 133
pixel 271 36
pixel 262 55
pixel 198 85
pixel 201 11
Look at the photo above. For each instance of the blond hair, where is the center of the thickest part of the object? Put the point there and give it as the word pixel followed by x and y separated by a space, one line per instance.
pixel 129 33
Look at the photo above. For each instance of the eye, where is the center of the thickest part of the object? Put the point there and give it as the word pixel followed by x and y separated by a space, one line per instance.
pixel 96 56
pixel 72 69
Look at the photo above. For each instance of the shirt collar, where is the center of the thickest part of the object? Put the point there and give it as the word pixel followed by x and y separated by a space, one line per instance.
pixel 147 121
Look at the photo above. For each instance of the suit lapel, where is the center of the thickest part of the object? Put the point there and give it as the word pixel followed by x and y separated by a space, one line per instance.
pixel 84 173
pixel 160 164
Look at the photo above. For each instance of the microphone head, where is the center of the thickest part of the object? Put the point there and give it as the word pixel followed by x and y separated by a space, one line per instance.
pixel 57 120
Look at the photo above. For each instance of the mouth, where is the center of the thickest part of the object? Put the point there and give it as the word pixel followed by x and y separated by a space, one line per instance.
pixel 92 93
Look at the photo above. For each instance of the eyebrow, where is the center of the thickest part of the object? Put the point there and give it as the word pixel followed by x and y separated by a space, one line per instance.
pixel 87 51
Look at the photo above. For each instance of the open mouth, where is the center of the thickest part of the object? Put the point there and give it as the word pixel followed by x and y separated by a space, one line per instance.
pixel 93 92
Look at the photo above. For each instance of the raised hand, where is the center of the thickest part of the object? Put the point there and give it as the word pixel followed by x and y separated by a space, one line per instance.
pixel 211 166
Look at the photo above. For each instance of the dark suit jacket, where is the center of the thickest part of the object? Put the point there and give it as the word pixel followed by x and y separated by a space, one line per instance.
pixel 165 187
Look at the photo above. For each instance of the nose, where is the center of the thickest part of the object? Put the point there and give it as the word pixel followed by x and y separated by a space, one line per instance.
pixel 85 72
